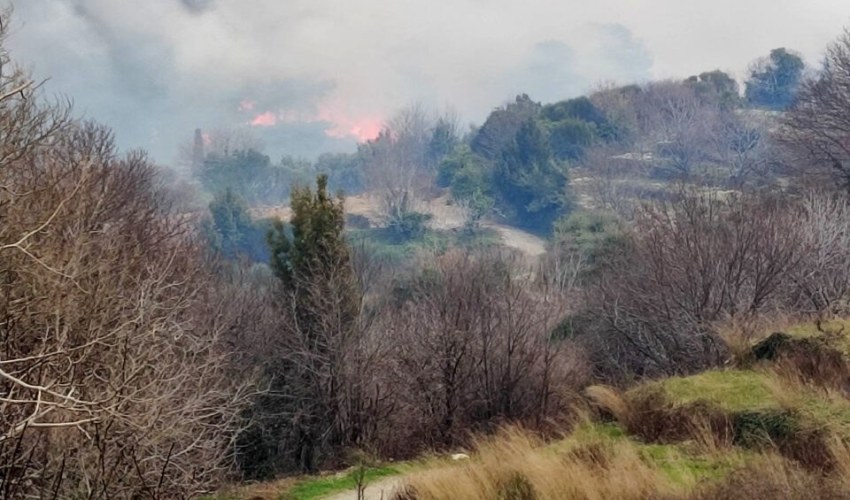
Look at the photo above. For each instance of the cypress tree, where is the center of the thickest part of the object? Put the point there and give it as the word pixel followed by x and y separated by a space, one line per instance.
pixel 312 260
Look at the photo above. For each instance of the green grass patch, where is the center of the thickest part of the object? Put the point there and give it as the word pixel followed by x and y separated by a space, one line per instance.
pixel 322 486
pixel 686 467
pixel 833 413
pixel 834 333
pixel 762 408
pixel 810 328
pixel 728 390
pixel 682 463
pixel 588 433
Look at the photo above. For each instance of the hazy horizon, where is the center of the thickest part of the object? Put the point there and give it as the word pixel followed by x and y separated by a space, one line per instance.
pixel 315 76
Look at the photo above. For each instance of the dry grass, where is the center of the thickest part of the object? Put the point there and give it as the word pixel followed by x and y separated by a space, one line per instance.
pixel 515 465
pixel 773 477
pixel 740 335
pixel 654 413
pixel 778 430
pixel 772 409
pixel 610 401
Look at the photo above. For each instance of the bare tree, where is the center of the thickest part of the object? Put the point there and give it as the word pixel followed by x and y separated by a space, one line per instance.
pixel 677 122
pixel 742 144
pixel 395 163
pixel 114 380
pixel 817 127
pixel 102 348
pixel 615 182
pixel 821 283
pixel 475 346
pixel 688 264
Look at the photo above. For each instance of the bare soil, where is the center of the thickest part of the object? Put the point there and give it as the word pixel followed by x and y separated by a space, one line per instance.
pixel 445 216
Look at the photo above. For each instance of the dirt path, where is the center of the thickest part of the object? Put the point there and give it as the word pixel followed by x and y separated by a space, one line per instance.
pixel 527 243
pixel 382 489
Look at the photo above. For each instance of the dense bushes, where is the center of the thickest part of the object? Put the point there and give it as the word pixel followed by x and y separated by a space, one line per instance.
pixel 463 343
pixel 231 232
pixel 116 379
pixel 474 348
pixel 700 260
pixel 248 174
pixel 118 367
pixel 253 177
pixel 515 164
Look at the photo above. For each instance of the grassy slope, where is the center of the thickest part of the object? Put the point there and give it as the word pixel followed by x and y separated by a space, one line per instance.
pixel 605 459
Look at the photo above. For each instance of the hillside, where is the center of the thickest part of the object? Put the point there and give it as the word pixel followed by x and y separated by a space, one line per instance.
pixel 445 216
pixel 616 291
pixel 774 423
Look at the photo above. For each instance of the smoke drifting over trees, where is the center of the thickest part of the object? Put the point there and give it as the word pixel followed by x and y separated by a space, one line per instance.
pixel 165 333
pixel 318 76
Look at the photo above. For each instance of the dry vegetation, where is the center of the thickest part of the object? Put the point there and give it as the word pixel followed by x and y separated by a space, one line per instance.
pixel 137 363
pixel 767 432
pixel 115 376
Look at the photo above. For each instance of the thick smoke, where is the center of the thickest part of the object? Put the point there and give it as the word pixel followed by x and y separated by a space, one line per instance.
pixel 318 75
pixel 197 6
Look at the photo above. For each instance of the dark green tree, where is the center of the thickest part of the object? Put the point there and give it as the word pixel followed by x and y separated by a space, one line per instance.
pixel 501 127
pixel 464 172
pixel 774 80
pixel 574 125
pixel 581 108
pixel 569 137
pixel 444 139
pixel 471 184
pixel 716 85
pixel 249 174
pixel 314 250
pixel 344 171
pixel 309 410
pixel 529 182
pixel 232 232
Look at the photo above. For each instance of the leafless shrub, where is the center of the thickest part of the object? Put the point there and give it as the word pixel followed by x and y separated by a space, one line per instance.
pixel 816 128
pixel 700 260
pixel 473 346
pixel 741 143
pixel 677 123
pixel 395 163
pixel 821 281
pixel 115 380
pixel 323 362
pixel 688 264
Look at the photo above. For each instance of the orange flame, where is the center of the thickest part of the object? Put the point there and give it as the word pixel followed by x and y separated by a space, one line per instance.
pixel 341 124
pixel 267 119
pixel 363 128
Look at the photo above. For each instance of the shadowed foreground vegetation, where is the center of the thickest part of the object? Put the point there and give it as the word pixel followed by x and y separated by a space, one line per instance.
pixel 770 430
pixel 765 427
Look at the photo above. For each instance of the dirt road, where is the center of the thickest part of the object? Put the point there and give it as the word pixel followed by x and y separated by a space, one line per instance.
pixel 382 489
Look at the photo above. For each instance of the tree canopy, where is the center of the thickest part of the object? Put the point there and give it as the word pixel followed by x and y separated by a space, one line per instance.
pixel 774 80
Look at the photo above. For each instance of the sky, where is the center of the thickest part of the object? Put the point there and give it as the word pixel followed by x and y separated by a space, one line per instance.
pixel 309 76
